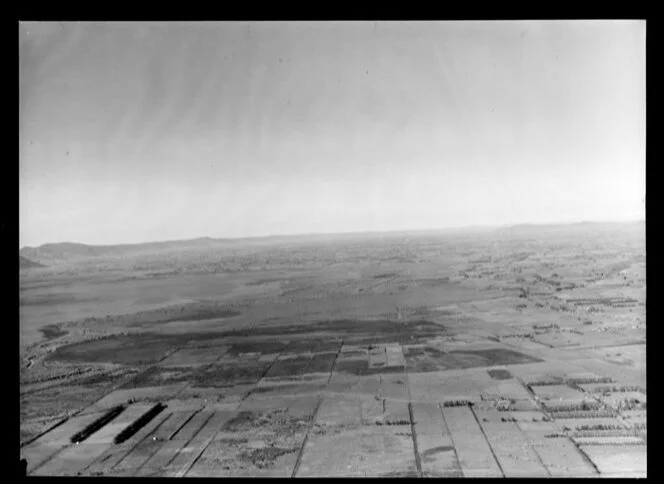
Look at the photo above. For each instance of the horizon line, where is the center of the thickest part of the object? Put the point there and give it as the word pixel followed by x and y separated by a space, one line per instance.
pixel 309 234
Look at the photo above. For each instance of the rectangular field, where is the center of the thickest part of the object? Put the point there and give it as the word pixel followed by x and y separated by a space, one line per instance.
pixel 476 457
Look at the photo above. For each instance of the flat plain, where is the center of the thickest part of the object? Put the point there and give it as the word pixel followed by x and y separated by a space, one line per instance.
pixel 512 352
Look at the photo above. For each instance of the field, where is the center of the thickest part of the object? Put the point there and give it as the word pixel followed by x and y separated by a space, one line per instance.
pixel 497 352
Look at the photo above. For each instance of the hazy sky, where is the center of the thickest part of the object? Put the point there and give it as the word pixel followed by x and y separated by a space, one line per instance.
pixel 134 132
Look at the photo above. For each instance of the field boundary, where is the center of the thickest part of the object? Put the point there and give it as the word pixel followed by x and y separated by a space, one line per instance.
pixel 413 435
pixel 296 467
pixel 52 427
pixel 493 453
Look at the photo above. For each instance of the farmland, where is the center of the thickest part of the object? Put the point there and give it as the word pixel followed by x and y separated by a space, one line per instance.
pixel 508 352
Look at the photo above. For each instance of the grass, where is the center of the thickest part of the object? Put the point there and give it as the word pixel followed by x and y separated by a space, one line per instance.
pixel 354 367
pixel 203 314
pixel 265 458
pixel 52 331
pixel 219 375
pixel 241 421
pixel 105 377
pixel 500 374
pixel 133 349
pixel 322 363
pixel 155 376
pixel 431 359
pixel 257 347
pixel 294 367
pixel 386 275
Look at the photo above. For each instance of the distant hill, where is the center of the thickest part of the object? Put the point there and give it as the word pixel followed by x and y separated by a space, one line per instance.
pixel 68 251
pixel 72 251
pixel 570 227
pixel 24 263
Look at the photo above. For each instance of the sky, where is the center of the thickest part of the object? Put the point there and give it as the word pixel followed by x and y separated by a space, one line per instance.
pixel 140 131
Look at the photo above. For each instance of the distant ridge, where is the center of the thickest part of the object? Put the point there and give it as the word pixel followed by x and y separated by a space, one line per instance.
pixel 74 250
pixel 25 263
pixel 584 225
